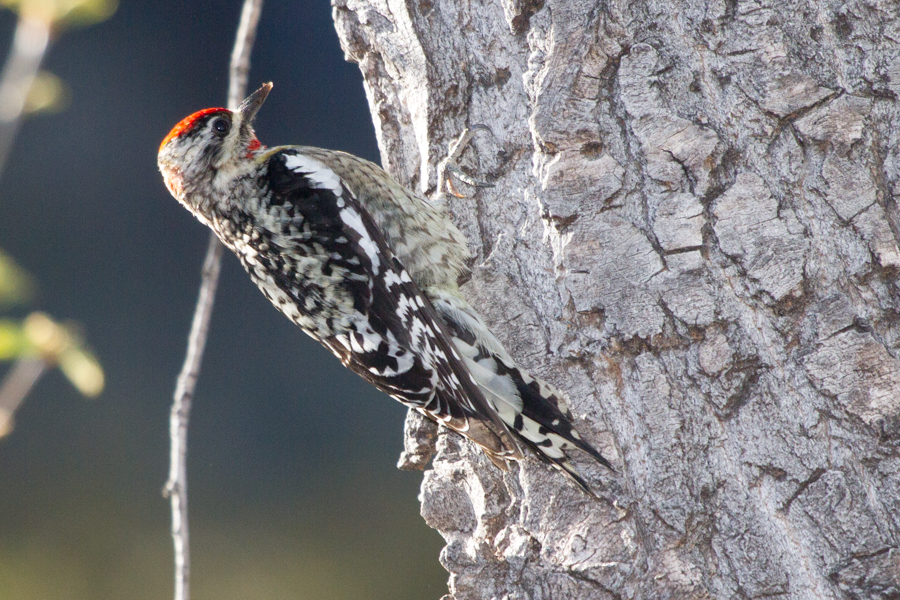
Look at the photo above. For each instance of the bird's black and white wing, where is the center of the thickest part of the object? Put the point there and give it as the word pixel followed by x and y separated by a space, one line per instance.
pixel 373 316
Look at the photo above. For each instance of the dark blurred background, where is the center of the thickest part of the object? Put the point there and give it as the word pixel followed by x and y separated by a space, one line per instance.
pixel 294 491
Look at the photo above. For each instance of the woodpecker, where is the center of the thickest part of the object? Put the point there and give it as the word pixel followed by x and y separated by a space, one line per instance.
pixel 369 269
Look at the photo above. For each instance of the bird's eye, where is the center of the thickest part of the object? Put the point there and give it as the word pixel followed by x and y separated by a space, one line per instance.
pixel 221 126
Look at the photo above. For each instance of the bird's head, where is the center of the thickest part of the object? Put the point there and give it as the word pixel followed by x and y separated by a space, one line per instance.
pixel 209 142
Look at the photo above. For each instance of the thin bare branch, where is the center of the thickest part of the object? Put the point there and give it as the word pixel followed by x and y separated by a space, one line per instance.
pixel 176 487
pixel 240 56
pixel 16 385
pixel 26 54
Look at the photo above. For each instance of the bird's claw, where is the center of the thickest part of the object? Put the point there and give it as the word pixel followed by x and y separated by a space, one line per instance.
pixel 448 169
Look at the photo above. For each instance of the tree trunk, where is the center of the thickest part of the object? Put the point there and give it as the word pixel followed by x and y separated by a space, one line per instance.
pixel 694 234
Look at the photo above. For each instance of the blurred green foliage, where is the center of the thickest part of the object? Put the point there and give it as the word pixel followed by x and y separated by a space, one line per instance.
pixel 16 285
pixel 40 338
pixel 48 94
pixel 63 12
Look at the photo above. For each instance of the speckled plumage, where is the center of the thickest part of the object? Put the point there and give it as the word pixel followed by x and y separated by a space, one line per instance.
pixel 369 269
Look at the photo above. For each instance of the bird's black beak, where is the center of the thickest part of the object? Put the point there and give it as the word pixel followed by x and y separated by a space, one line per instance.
pixel 254 101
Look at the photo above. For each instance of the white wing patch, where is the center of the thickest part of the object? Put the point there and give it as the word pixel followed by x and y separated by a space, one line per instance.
pixel 324 178
pixel 354 221
pixel 317 172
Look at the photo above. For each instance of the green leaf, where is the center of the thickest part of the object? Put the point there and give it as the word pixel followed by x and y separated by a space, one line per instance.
pixel 64 12
pixel 13 341
pixel 48 94
pixel 16 285
pixel 83 370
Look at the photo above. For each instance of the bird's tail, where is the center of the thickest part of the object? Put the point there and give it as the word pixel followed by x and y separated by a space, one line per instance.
pixel 532 409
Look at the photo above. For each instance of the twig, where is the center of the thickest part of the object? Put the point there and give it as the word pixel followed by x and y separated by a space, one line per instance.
pixel 176 486
pixel 240 56
pixel 16 385
pixel 25 56
pixel 28 48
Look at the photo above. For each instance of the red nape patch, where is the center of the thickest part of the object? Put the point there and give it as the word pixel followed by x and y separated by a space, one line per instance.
pixel 252 147
pixel 188 122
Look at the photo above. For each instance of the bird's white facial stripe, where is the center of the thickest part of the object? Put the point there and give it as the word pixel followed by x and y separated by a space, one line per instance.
pixel 318 173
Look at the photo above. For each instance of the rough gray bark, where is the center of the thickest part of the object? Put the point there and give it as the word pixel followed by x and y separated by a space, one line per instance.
pixel 694 234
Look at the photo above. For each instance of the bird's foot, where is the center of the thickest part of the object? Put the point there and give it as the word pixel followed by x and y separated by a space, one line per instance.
pixel 448 169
